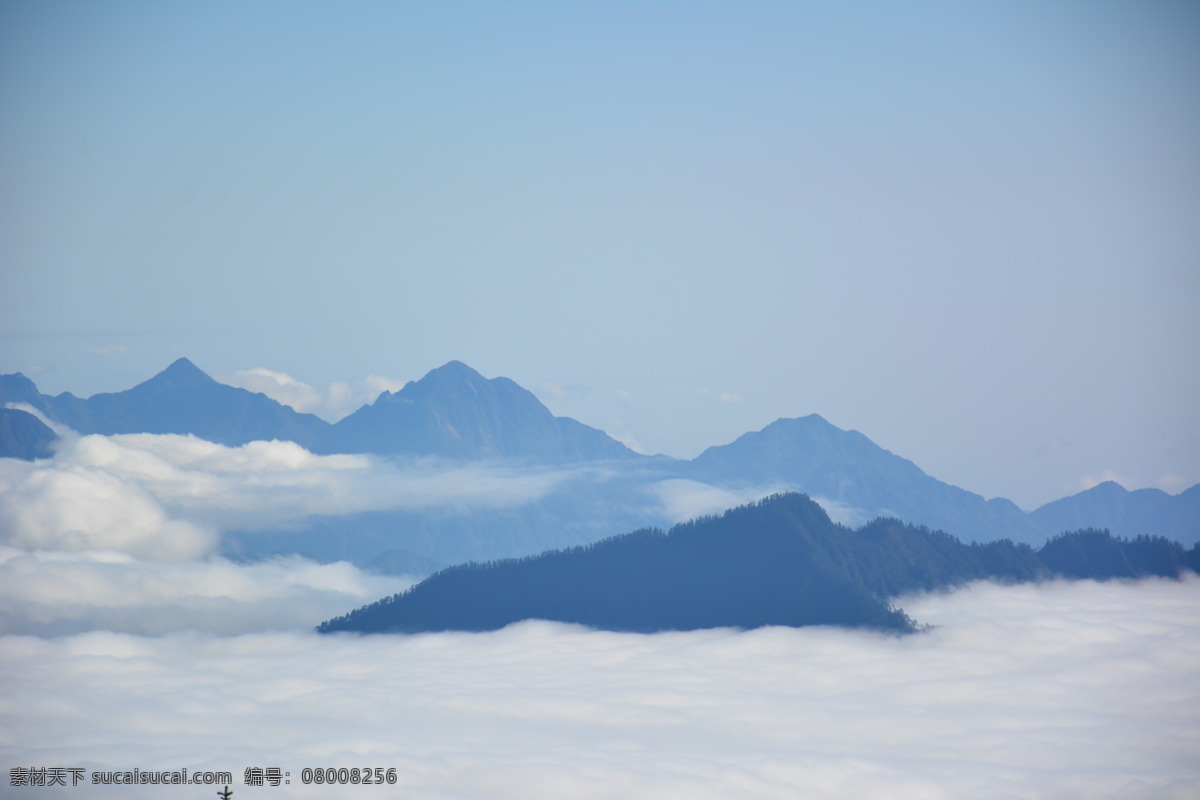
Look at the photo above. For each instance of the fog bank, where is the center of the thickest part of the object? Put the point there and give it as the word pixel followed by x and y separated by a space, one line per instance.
pixel 1037 691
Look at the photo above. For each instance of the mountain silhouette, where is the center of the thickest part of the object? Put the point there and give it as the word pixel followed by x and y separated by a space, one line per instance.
pixel 16 388
pixel 1109 505
pixel 455 412
pixel 816 457
pixel 761 565
pixel 780 561
pixel 180 399
pixel 24 436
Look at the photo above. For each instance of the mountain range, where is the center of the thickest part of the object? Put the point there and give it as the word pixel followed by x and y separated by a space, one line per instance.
pixel 780 561
pixel 455 413
pixel 180 399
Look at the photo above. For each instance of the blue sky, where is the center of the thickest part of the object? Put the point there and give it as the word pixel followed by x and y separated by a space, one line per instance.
pixel 967 230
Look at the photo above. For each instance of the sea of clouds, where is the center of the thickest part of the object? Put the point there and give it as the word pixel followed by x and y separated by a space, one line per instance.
pixel 129 643
pixel 1051 691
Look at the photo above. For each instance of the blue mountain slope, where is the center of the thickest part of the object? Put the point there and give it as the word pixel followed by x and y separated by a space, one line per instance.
pixel 816 457
pixel 22 435
pixel 455 412
pixel 1125 513
pixel 180 399
pixel 16 388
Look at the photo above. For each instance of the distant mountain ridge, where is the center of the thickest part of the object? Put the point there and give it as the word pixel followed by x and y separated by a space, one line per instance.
pixel 180 399
pixel 780 561
pixel 455 413
pixel 452 412
pixel 1125 513
pixel 845 466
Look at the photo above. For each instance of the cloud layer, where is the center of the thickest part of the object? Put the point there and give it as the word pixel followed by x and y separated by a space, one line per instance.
pixel 1050 691
pixel 120 533
pixel 50 594
pixel 683 499
pixel 168 497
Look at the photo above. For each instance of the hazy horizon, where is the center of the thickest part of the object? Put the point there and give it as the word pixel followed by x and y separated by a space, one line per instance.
pixel 966 230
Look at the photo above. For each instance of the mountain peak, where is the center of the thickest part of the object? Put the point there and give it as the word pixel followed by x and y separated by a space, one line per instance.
pixel 455 412
pixel 455 366
pixel 16 388
pixel 182 372
pixel 453 370
pixel 810 422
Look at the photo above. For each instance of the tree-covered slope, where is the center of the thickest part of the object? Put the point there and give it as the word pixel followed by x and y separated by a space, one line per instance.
pixel 780 561
pixel 768 564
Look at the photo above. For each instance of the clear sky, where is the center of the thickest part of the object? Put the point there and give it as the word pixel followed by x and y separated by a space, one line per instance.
pixel 971 231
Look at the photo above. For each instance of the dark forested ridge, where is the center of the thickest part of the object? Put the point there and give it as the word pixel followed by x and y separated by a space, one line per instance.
pixel 780 561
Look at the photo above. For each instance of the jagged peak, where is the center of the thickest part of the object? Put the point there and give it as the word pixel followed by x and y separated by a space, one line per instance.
pixel 453 369
pixel 15 380
pixel 456 376
pixel 1107 487
pixel 811 420
pixel 454 365
pixel 789 426
pixel 182 372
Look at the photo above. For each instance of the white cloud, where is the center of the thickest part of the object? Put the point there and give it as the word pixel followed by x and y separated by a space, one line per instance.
pixel 844 513
pixel 278 386
pixel 629 441
pixel 332 403
pixel 60 505
pixel 1051 691
pixel 55 593
pixel 375 385
pixel 167 497
pixel 682 499
pixel 1171 483
pixel 65 435
pixel 728 397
